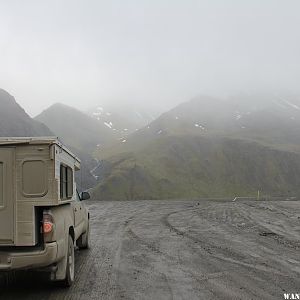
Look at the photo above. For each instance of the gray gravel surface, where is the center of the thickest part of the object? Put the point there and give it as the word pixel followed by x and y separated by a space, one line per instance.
pixel 181 250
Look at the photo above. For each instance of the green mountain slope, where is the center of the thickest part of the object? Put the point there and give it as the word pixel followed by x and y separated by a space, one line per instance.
pixel 190 166
pixel 83 134
pixel 208 148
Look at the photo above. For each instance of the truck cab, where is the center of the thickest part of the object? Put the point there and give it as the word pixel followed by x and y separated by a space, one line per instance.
pixel 42 216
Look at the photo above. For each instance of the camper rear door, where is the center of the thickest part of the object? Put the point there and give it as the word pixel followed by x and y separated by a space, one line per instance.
pixel 7 200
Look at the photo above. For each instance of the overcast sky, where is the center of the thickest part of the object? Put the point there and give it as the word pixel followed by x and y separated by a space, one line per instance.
pixel 157 51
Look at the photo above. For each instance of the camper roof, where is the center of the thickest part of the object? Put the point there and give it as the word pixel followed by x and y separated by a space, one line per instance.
pixel 36 141
pixel 28 140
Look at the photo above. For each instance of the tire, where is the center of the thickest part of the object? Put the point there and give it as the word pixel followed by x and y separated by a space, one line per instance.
pixel 70 267
pixel 84 241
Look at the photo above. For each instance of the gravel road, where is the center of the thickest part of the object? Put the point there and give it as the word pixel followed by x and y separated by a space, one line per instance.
pixel 181 250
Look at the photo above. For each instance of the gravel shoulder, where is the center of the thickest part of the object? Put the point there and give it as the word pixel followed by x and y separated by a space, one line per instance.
pixel 205 249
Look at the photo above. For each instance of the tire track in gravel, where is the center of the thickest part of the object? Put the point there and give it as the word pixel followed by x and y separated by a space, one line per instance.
pixel 255 267
pixel 179 250
pixel 168 264
pixel 218 252
pixel 211 282
pixel 278 234
pixel 167 259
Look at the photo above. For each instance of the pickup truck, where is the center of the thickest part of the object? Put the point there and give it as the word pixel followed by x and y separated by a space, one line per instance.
pixel 42 217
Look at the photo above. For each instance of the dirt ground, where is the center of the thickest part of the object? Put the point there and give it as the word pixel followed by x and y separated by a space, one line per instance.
pixel 205 249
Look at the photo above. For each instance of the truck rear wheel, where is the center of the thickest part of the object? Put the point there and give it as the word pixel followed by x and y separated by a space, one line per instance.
pixel 70 268
pixel 84 241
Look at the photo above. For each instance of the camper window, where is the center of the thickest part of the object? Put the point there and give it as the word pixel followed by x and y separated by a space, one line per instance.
pixel 66 182
pixel 34 178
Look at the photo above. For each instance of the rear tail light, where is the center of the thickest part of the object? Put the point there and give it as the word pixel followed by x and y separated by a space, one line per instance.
pixel 48 223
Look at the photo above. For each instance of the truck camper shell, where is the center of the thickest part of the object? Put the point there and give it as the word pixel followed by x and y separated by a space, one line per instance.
pixel 34 172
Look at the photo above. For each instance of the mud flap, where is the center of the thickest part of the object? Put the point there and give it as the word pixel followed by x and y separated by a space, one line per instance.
pixel 60 271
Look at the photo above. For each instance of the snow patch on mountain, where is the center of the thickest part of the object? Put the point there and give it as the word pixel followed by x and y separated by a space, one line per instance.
pixel 199 126
pixel 287 103
pixel 292 104
pixel 109 125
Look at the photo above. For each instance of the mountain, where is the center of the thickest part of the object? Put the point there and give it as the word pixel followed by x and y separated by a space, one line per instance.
pixel 81 133
pixel 113 120
pixel 207 148
pixel 14 121
pixel 193 166
pixel 270 120
pixel 76 128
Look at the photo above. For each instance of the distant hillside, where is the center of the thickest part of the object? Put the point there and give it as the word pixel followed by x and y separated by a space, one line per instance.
pixel 192 166
pixel 80 133
pixel 207 148
pixel 76 128
pixel 14 121
pixel 271 120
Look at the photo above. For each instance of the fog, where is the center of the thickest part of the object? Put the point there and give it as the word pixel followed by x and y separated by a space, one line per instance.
pixel 160 52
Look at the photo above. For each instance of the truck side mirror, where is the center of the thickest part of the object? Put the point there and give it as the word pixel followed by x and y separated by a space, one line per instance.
pixel 84 196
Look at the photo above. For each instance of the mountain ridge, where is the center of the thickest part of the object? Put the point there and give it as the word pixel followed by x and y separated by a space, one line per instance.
pixel 14 121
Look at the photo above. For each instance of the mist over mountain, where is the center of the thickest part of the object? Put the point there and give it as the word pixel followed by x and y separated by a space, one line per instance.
pixel 76 128
pixel 208 147
pixel 80 133
pixel 14 121
pixel 84 133
pixel 146 51
pixel 269 119
pixel 127 117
